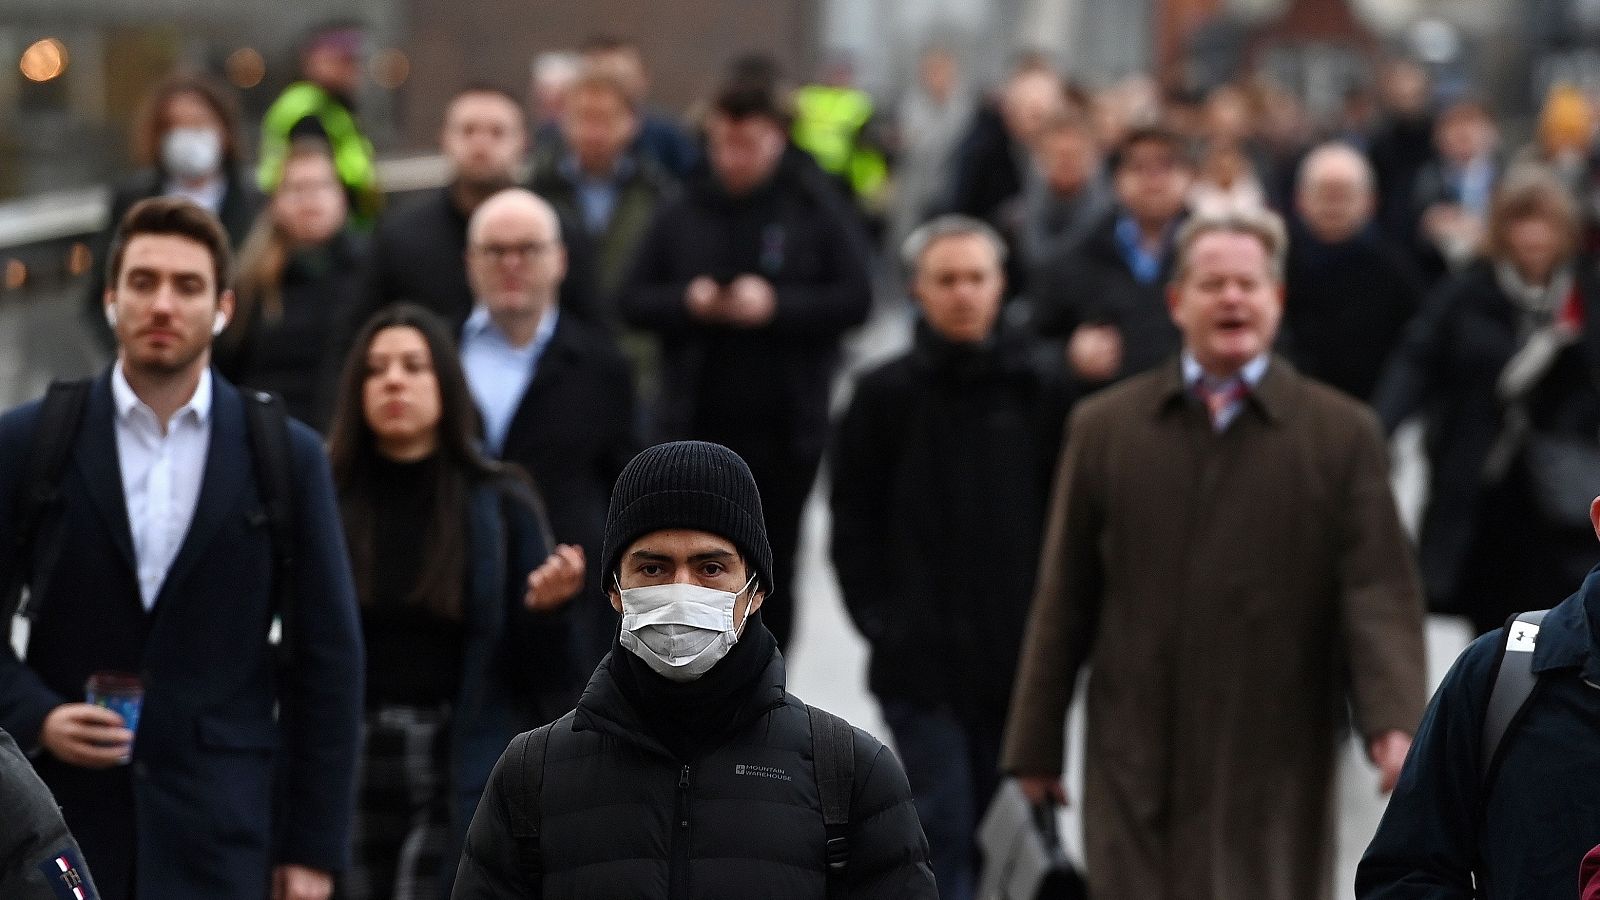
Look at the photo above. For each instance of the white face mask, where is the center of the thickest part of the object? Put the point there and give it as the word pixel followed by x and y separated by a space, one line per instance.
pixel 191 152
pixel 679 630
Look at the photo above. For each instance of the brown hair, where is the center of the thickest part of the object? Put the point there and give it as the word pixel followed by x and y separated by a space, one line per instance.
pixel 150 125
pixel 175 216
pixel 1174 142
pixel 258 279
pixel 1529 191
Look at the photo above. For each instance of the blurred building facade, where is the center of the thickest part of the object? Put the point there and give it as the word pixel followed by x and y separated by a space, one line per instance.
pixel 73 129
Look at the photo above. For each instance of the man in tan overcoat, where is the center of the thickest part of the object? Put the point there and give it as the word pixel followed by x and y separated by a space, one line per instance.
pixel 1225 555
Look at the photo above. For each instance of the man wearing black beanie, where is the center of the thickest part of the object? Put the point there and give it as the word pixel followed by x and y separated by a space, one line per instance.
pixel 687 770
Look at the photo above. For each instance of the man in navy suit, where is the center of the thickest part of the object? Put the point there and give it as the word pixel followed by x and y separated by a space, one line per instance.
pixel 239 783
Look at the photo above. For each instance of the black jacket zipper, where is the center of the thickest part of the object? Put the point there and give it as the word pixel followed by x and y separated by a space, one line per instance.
pixel 678 871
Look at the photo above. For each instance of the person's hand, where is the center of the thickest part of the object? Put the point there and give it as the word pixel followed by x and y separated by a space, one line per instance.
pixel 1388 752
pixel 558 579
pixel 87 736
pixel 1039 788
pixel 751 301
pixel 1095 352
pixel 292 882
pixel 702 298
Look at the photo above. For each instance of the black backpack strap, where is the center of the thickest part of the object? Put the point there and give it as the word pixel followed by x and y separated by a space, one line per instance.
pixel 833 755
pixel 1514 681
pixel 60 417
pixel 526 814
pixel 268 426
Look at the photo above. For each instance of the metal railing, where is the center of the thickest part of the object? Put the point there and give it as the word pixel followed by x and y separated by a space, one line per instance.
pixel 44 238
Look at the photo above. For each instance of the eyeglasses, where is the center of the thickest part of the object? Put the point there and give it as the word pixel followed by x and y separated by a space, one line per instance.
pixel 526 250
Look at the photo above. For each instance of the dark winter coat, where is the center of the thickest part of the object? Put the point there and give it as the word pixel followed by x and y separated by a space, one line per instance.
pixel 624 817
pixel 294 355
pixel 39 860
pixel 235 769
pixel 991 167
pixel 1237 596
pixel 573 431
pixel 794 233
pixel 1092 285
pixel 1346 307
pixel 1522 833
pixel 512 658
pixel 945 456
pixel 1483 550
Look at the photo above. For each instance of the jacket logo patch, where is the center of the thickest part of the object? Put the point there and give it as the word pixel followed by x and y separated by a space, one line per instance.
pixel 64 874
pixel 1523 638
pixel 762 772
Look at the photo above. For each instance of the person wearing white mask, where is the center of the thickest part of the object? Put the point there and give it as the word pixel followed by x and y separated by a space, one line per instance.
pixel 687 769
pixel 185 141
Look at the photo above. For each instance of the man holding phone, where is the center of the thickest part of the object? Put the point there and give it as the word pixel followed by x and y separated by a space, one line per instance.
pixel 749 280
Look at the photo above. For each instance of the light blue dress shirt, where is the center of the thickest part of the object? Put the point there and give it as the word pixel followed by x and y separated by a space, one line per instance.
pixel 498 372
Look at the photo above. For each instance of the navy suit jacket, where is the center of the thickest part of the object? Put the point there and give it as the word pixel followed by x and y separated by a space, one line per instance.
pixel 221 787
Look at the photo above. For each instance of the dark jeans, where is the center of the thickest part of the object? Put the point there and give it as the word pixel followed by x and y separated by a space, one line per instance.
pixel 953 767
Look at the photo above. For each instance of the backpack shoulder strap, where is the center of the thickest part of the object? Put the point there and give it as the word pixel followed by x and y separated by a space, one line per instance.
pixel 833 754
pixel 60 417
pixel 1514 682
pixel 526 811
pixel 268 426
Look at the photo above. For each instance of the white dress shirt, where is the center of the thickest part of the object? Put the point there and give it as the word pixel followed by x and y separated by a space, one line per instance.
pixel 499 372
pixel 161 475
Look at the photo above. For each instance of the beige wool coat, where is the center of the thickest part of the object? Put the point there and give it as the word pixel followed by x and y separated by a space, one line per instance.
pixel 1235 596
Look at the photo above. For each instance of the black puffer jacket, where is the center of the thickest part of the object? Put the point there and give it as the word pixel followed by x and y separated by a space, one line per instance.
pixel 621 816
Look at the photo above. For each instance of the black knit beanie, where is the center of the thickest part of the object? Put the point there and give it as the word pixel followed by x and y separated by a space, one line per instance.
pixel 688 484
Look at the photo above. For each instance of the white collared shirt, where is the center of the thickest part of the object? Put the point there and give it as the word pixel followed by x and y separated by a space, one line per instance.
pixel 161 475
pixel 1194 376
pixel 498 372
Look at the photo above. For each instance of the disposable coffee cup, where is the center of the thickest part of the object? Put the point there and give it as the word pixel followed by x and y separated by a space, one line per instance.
pixel 119 692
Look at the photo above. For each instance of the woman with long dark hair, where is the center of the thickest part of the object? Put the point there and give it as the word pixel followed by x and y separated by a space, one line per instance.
pixel 460 653
pixel 296 277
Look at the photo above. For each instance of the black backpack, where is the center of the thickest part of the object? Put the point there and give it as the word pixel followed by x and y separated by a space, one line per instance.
pixel 38 505
pixel 1514 685
pixel 833 753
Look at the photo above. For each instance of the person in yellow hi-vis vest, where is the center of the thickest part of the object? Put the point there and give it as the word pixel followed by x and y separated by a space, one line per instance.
pixel 322 104
pixel 831 123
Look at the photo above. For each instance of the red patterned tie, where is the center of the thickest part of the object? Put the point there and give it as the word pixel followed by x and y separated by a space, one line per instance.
pixel 1220 397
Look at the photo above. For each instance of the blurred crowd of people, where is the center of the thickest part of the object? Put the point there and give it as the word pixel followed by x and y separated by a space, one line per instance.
pixel 598 275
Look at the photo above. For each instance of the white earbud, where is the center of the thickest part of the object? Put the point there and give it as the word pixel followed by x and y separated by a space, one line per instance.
pixel 219 322
pixel 111 315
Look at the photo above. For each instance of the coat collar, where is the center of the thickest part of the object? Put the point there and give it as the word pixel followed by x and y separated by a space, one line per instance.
pixel 229 470
pixel 606 709
pixel 1567 636
pixel 96 459
pixel 559 357
pixel 1274 397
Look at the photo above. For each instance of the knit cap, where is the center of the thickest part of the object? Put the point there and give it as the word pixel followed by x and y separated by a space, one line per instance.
pixel 694 485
